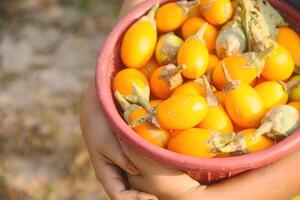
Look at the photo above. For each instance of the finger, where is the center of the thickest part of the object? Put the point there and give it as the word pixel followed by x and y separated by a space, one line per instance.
pixel 157 174
pixel 114 152
pixel 144 164
pixel 111 179
pixel 115 184
pixel 135 195
pixel 92 122
pixel 139 183
pixel 173 182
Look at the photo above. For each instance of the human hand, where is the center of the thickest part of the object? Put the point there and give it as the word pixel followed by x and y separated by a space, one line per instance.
pixel 166 183
pixel 105 152
pixel 278 181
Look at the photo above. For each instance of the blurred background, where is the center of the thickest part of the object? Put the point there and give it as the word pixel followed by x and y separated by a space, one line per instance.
pixel 48 52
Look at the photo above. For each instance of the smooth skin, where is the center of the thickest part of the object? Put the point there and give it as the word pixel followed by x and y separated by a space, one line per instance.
pixel 107 157
pixel 279 181
pixel 192 142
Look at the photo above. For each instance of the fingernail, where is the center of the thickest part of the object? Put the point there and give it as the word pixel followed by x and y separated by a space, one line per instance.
pixel 133 169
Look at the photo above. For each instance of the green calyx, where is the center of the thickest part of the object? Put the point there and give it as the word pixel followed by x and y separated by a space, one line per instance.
pixel 171 74
pixel 257 59
pixel 150 118
pixel 126 106
pixel 153 11
pixel 187 6
pixel 279 123
pixel 150 17
pixel 288 86
pixel 256 27
pixel 228 143
pixel 210 97
pixel 140 96
pixel 269 13
pixel 200 34
pixel 231 84
pixel 297 68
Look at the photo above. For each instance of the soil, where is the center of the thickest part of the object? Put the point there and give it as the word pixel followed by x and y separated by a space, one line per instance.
pixel 48 52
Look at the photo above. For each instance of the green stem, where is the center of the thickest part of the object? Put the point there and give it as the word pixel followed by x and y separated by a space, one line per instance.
pixel 237 146
pixel 173 71
pixel 231 84
pixel 257 59
pixel 201 32
pixel 194 3
pixel 188 5
pixel 139 121
pixel 125 105
pixel 238 11
pixel 219 140
pixel 290 85
pixel 227 75
pixel 199 80
pixel 210 97
pixel 150 118
pixel 170 71
pixel 153 11
pixel 146 105
pixel 228 143
pixel 263 129
pixel 297 67
pixel 268 46
pixel 245 17
pixel 141 96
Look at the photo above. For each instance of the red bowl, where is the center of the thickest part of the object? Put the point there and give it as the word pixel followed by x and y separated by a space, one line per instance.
pixel 205 170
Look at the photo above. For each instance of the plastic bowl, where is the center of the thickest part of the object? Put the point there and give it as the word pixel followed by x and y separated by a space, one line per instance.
pixel 202 169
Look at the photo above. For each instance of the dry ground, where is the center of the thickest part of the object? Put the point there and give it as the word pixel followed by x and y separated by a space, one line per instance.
pixel 48 51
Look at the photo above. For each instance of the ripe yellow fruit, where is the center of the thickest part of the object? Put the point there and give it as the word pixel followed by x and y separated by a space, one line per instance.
pixel 192 142
pixel 181 112
pixel 216 12
pixel 171 16
pixel 194 54
pixel 139 41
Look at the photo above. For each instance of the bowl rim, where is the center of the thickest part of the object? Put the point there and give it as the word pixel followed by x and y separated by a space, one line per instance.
pixel 184 162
